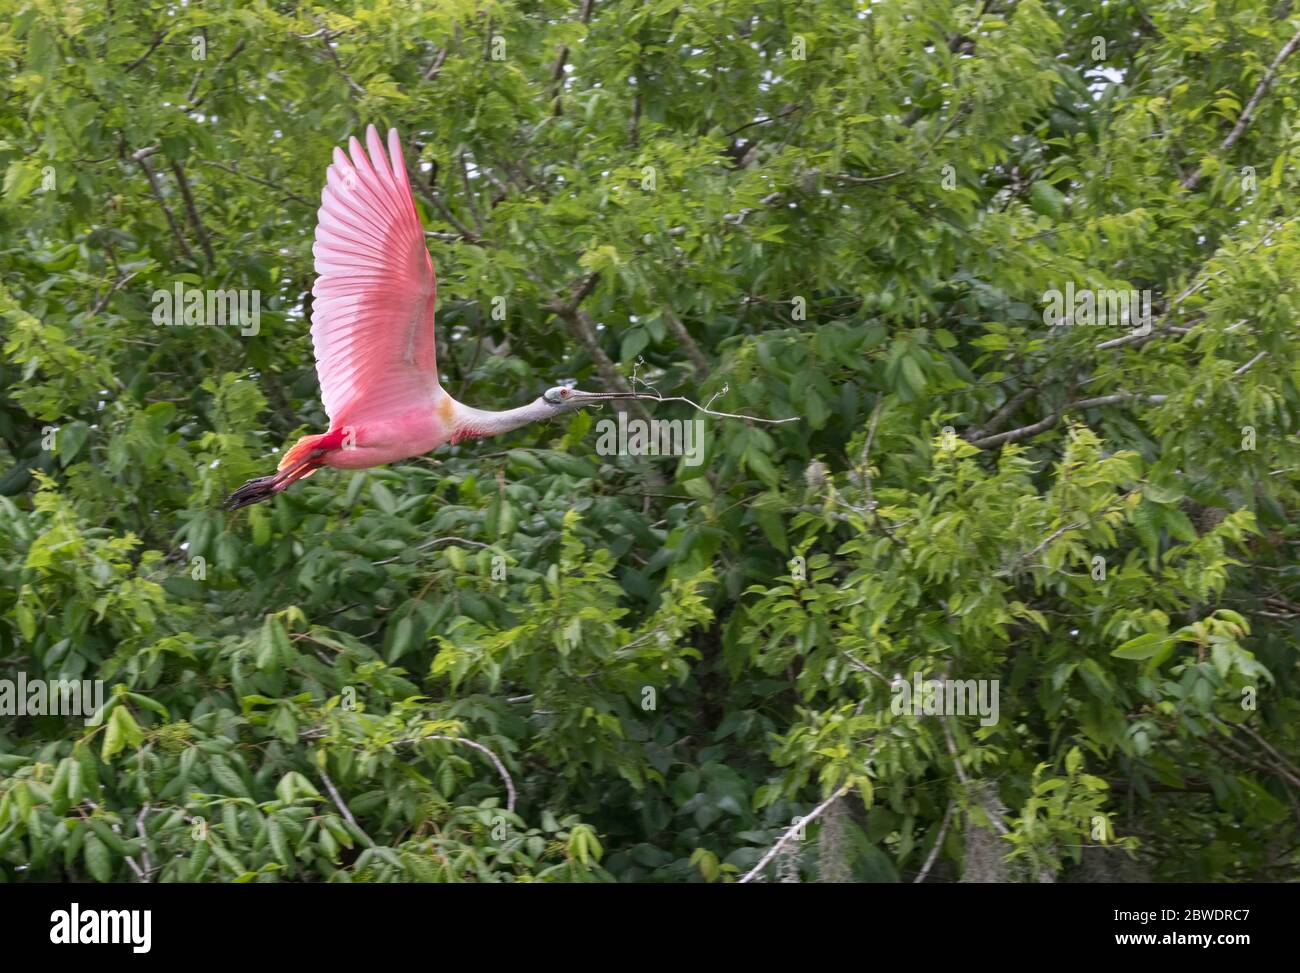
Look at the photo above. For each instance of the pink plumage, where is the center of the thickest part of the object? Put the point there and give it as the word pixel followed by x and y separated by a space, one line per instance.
pixel 372 314
pixel 373 333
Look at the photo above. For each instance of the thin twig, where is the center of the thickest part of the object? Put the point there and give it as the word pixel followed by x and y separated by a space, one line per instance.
pixel 938 844
pixel 792 830
pixel 857 663
pixel 1160 327
pixel 675 325
pixel 190 103
pixel 1076 525
pixel 338 802
pixel 438 61
pixel 141 157
pixel 866 451
pixel 144 841
pixel 583 328
pixel 865 470
pixel 437 540
pixel 1042 425
pixel 288 193
pixel 1248 114
pixel 762 121
pixel 1250 364
pixel 501 768
pixel 326 39
pixel 1277 756
pixel 867 180
pixel 153 46
pixel 1008 409
pixel 465 232
pixel 557 73
pixel 117 286
pixel 470 196
pixel 655 397
pixel 971 790
pixel 193 212
pixel 1141 336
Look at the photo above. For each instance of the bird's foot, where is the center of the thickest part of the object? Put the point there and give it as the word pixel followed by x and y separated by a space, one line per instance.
pixel 254 491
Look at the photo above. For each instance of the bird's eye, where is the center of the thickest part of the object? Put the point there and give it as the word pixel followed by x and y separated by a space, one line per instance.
pixel 564 393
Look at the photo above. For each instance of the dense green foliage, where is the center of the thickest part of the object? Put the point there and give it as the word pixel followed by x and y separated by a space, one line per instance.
pixel 848 215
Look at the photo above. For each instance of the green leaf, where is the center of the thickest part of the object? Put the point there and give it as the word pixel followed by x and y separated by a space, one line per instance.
pixel 275 836
pixel 634 342
pixel 1142 647
pixel 71 439
pixel 1046 199
pixel 98 860
pixel 382 497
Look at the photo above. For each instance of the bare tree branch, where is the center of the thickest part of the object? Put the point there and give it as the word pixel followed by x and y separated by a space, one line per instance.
pixel 117 286
pixel 763 121
pixel 1250 364
pixel 326 40
pixel 436 66
pixel 144 841
pixel 698 361
pixel 501 768
pixel 338 802
pixel 288 193
pixel 470 196
pixel 425 545
pixel 974 792
pixel 792 831
pixel 190 103
pixel 584 16
pixel 1042 425
pixel 1139 337
pixel 141 157
pixel 158 38
pixel 192 211
pixel 999 418
pixel 583 328
pixel 938 844
pixel 465 233
pixel 1248 114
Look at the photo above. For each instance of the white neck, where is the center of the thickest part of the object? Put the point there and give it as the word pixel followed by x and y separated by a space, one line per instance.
pixel 468 422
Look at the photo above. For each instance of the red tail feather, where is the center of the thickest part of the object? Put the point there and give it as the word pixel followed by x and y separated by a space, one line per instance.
pixel 300 451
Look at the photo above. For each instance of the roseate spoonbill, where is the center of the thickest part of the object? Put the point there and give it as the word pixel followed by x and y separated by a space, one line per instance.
pixel 372 330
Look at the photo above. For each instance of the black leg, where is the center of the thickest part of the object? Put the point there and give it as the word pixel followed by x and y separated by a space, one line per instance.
pixel 254 491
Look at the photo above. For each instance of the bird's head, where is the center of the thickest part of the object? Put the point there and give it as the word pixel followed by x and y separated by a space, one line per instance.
pixel 564 399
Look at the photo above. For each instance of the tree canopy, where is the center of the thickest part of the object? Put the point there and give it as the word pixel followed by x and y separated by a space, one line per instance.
pixel 522 659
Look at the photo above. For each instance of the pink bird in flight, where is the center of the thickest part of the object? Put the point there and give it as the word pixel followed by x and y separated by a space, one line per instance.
pixel 372 330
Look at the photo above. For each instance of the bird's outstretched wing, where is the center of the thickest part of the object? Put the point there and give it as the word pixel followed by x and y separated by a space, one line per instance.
pixel 372 309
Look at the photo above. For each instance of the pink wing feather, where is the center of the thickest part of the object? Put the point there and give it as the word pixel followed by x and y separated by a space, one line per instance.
pixel 373 301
